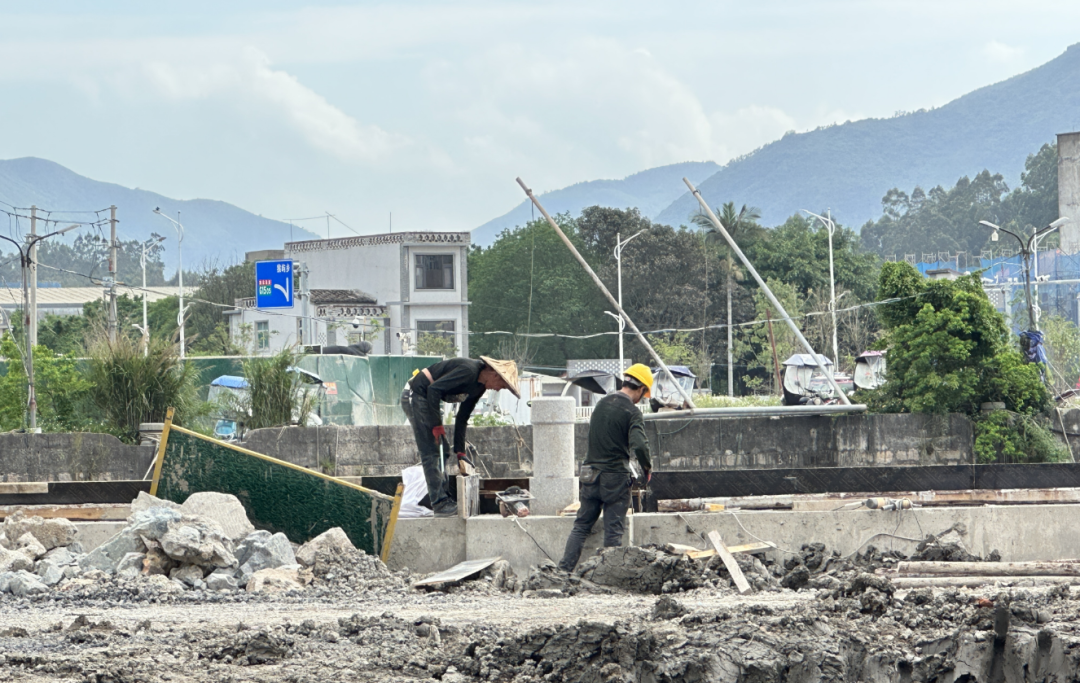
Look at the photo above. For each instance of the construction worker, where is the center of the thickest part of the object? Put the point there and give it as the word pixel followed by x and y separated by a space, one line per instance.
pixel 456 380
pixel 615 430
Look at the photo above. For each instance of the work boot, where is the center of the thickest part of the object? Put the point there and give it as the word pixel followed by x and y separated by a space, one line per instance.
pixel 446 512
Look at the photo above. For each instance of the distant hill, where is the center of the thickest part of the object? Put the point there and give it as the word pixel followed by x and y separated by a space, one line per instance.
pixel 850 167
pixel 213 230
pixel 648 191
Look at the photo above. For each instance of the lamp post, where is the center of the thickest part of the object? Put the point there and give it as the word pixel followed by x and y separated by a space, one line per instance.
pixel 1025 252
pixel 28 315
pixel 145 329
pixel 831 227
pixel 622 324
pixel 619 244
pixel 180 273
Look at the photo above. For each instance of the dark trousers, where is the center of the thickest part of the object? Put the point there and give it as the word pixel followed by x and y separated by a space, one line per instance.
pixel 610 493
pixel 429 454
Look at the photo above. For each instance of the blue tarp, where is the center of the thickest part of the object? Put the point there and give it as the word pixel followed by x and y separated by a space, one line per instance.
pixel 230 382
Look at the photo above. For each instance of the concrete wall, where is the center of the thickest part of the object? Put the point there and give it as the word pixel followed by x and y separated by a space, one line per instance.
pixel 71 457
pixel 1018 532
pixel 847 441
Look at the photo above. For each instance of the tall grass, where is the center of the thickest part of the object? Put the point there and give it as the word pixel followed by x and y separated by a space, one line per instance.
pixel 129 388
pixel 276 397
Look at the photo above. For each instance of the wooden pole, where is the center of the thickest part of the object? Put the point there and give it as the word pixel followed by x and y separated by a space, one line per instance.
pixel 388 538
pixel 988 569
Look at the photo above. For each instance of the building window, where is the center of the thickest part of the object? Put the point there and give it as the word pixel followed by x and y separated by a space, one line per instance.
pixel 262 335
pixel 434 271
pixel 435 338
pixel 439 328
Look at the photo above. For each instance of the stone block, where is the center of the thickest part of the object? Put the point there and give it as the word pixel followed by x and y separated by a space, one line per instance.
pixel 221 580
pixel 552 494
pixel 29 545
pixel 188 574
pixel 331 541
pixel 106 556
pixel 13 560
pixel 223 508
pixel 24 583
pixel 153 523
pixel 274 580
pixel 51 533
pixel 261 550
pixel 145 501
pixel 198 540
pixel 49 572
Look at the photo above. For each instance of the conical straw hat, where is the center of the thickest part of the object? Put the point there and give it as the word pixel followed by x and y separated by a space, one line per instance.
pixel 506 369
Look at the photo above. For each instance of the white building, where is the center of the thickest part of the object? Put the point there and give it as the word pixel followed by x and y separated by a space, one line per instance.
pixel 398 285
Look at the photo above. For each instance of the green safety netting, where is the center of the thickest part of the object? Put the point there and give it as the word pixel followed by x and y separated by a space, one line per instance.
pixel 276 495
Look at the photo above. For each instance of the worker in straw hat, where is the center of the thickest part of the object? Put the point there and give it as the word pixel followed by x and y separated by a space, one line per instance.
pixel 616 429
pixel 455 380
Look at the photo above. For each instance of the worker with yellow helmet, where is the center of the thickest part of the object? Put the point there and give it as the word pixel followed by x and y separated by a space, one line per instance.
pixel 616 430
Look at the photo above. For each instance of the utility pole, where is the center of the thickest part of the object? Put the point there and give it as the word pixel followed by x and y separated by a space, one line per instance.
pixel 31 318
pixel 112 274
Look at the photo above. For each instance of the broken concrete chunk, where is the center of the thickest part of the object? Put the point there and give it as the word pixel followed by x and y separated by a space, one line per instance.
pixel 331 541
pixel 220 580
pixel 24 583
pixel 61 557
pixel 106 556
pixel 131 561
pixel 261 550
pixel 13 560
pixel 189 574
pixel 153 523
pixel 29 545
pixel 157 562
pixel 50 572
pixel 145 501
pixel 223 508
pixel 51 533
pixel 274 580
pixel 198 540
pixel 4 540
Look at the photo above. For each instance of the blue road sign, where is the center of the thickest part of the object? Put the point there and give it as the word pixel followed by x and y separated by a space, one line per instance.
pixel 273 284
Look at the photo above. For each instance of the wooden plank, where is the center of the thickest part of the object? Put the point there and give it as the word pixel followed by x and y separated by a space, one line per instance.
pixel 388 538
pixel 907 582
pixel 750 548
pixel 679 548
pixel 729 561
pixel 988 569
pixel 85 513
pixel 458 572
pixel 468 496
pixel 9 487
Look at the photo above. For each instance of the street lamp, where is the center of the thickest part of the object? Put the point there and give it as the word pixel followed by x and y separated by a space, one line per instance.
pixel 28 357
pixel 1025 252
pixel 180 272
pixel 622 324
pixel 619 244
pixel 831 227
pixel 145 329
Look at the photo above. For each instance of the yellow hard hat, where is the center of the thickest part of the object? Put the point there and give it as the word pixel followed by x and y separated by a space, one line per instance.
pixel 641 373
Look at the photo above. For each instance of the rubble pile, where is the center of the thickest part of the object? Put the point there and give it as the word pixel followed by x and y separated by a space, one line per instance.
pixel 206 548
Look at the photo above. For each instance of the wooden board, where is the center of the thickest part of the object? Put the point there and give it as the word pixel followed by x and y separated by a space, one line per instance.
pixel 468 496
pixel 906 582
pixel 729 561
pixel 988 569
pixel 460 571
pixel 85 513
pixel 750 548
pixel 24 487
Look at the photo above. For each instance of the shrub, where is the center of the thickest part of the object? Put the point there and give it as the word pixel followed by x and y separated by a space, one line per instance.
pixel 1002 436
pixel 275 397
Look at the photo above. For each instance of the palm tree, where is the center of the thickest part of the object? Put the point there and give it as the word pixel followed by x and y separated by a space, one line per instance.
pixel 739 224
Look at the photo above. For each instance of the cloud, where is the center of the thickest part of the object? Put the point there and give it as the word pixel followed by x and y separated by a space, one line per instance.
pixel 251 78
pixel 1000 53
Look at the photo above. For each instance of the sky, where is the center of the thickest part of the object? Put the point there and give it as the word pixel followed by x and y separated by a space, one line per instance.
pixel 427 111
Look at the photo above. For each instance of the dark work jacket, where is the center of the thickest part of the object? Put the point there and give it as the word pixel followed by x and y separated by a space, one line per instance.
pixel 615 429
pixel 456 380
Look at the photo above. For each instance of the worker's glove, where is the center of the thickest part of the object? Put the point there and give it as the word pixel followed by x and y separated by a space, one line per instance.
pixel 648 477
pixel 438 432
pixel 464 458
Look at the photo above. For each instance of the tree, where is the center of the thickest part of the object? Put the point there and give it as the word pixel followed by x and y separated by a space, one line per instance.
pixel 429 344
pixel 59 384
pixel 948 349
pixel 85 262
pixel 754 343
pixel 742 226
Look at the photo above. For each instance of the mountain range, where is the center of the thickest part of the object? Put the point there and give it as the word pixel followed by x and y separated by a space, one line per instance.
pixel 213 230
pixel 849 167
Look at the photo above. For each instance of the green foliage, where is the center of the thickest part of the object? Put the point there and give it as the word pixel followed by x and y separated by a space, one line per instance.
pixel 948 349
pixel 435 345
pixel 676 349
pixel 275 397
pixel 1007 437
pixel 947 220
pixel 753 342
pixel 59 386
pixel 1062 341
pixel 128 387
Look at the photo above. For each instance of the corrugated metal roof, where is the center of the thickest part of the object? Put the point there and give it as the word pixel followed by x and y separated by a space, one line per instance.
pixel 11 297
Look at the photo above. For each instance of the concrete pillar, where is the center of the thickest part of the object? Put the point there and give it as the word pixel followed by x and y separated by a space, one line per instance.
pixel 1069 190
pixel 553 484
